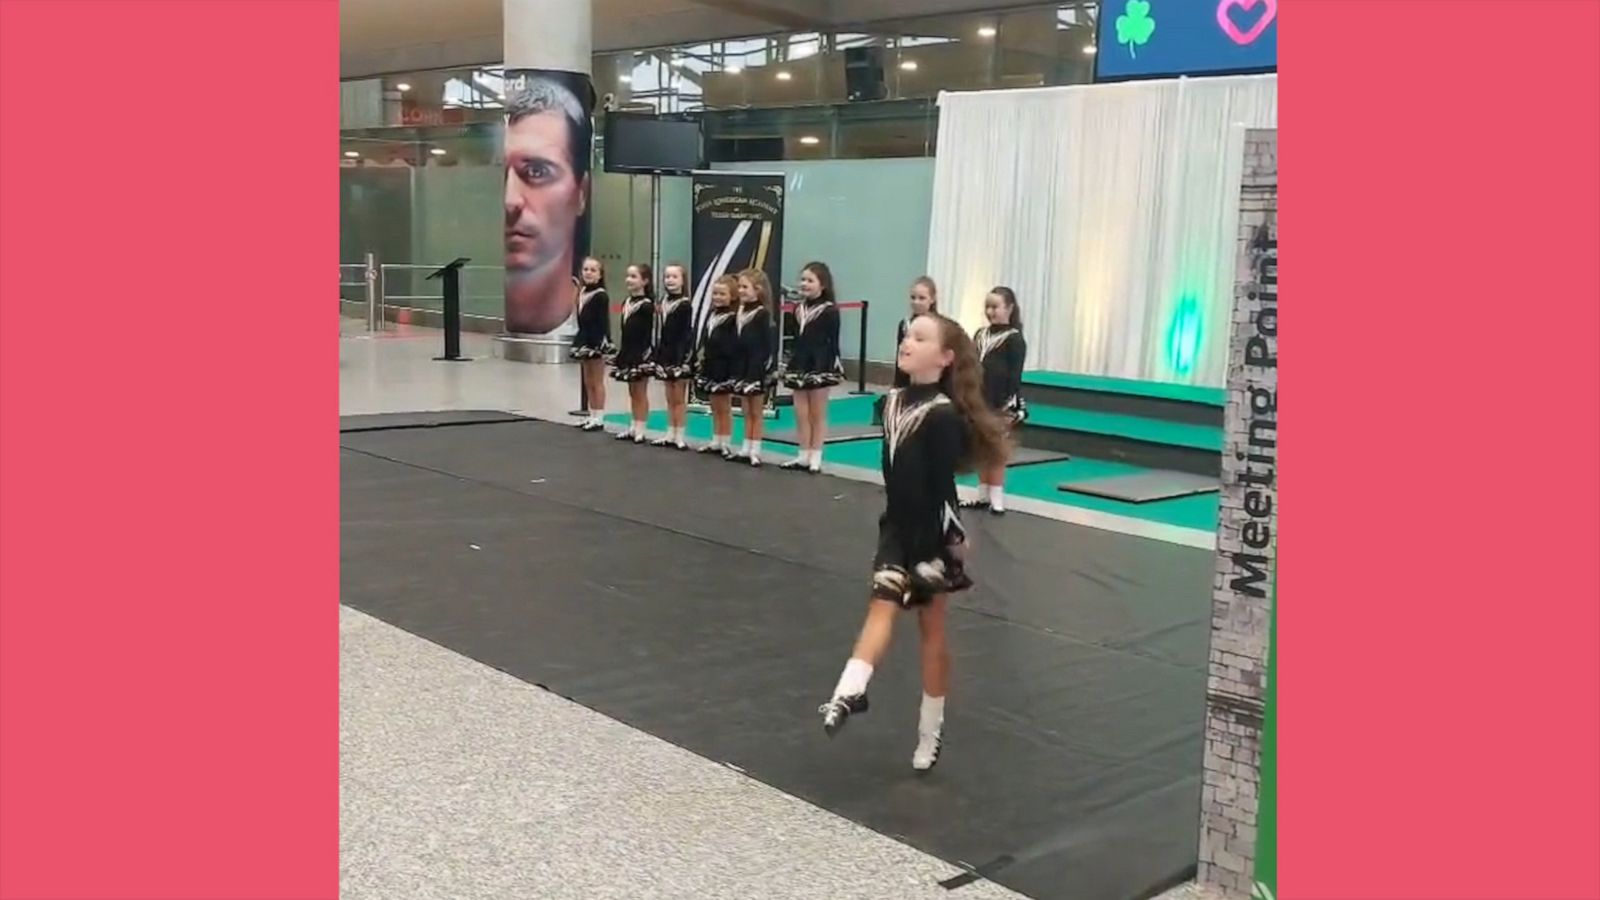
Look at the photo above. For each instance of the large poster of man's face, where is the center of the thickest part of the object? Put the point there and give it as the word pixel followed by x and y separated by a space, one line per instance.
pixel 549 135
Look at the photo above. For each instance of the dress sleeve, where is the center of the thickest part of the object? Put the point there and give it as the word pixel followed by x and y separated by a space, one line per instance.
pixel 769 345
pixel 834 359
pixel 947 439
pixel 755 348
pixel 1016 358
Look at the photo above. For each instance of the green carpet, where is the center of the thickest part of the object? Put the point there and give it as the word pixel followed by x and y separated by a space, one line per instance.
pixel 1159 390
pixel 1154 431
pixel 1036 482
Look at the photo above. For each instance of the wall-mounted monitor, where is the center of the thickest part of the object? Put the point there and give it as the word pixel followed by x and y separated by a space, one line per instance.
pixel 638 144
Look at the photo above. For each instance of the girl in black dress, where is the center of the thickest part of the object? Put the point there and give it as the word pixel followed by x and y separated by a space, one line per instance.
pixel 753 366
pixel 1002 350
pixel 592 344
pixel 924 299
pixel 716 360
pixel 632 364
pixel 674 345
pixel 934 427
pixel 814 365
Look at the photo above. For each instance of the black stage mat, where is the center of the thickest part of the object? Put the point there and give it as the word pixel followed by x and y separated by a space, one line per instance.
pixel 445 418
pixel 713 605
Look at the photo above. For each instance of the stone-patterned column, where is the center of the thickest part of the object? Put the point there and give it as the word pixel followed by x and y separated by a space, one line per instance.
pixel 1241 606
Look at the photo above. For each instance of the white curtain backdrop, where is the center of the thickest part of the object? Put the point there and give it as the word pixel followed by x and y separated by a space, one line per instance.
pixel 1112 211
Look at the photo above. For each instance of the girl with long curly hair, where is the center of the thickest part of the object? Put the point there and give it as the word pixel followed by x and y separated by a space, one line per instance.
pixel 935 427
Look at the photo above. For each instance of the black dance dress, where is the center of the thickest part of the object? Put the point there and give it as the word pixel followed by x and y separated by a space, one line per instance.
pixel 593 340
pixel 920 538
pixel 633 359
pixel 719 352
pixel 675 341
pixel 1002 351
pixel 753 364
pixel 814 355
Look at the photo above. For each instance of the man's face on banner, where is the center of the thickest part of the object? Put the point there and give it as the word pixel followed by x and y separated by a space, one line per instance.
pixel 544 195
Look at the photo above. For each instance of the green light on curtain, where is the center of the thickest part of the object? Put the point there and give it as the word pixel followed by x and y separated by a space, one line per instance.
pixel 1183 336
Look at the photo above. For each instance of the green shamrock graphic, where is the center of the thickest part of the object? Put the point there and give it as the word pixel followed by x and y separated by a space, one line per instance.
pixel 1135 26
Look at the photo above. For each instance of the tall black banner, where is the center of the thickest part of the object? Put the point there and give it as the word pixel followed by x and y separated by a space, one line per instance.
pixel 738 225
pixel 548 149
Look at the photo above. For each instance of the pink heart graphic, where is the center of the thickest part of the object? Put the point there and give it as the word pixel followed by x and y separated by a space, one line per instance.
pixel 1243 38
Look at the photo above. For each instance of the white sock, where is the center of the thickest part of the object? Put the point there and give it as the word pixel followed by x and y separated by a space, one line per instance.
pixel 997 497
pixel 932 719
pixel 721 440
pixel 744 448
pixel 638 427
pixel 755 448
pixel 813 457
pixel 854 680
pixel 983 491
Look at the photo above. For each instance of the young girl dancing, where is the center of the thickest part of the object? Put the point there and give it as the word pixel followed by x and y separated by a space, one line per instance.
pixel 814 365
pixel 592 344
pixel 754 366
pixel 632 364
pixel 924 300
pixel 933 428
pixel 674 344
pixel 1002 351
pixel 716 361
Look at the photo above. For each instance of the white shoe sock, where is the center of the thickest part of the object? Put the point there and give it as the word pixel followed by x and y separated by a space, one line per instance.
pixel 931 720
pixel 997 498
pixel 983 493
pixel 853 682
pixel 755 448
pixel 744 449
pixel 930 727
pixel 722 441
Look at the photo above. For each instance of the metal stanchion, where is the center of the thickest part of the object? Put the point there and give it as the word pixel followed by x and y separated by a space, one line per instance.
pixel 371 276
pixel 861 352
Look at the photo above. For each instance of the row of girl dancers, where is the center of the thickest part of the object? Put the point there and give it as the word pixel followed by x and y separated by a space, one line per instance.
pixel 733 359
pixel 955 403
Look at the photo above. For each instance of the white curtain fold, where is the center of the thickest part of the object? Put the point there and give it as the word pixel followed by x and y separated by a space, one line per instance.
pixel 1112 210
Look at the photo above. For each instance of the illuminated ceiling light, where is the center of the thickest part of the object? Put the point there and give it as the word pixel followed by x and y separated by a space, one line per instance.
pixel 986 31
pixel 625 79
pixel 810 139
pixel 733 70
pixel 783 75
pixel 910 65
pixel 1089 50
pixel 437 151
pixel 402 87
pixel 351 154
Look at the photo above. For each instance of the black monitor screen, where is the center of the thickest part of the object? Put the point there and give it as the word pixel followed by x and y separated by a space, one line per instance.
pixel 648 144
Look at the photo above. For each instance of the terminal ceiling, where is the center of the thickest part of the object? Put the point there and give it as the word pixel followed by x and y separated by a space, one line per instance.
pixel 385 36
